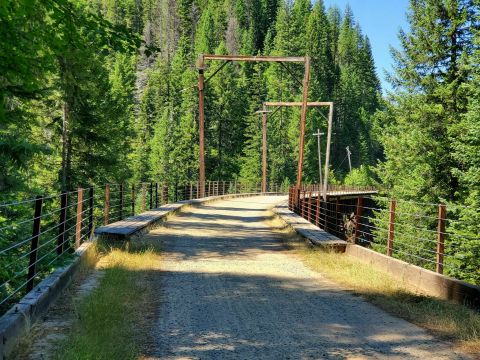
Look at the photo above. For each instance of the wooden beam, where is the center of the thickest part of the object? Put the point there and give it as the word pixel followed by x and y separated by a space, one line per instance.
pixel 295 59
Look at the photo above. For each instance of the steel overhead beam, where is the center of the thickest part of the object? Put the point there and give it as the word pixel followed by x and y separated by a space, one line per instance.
pixel 279 104
pixel 294 59
pixel 293 103
pixel 246 58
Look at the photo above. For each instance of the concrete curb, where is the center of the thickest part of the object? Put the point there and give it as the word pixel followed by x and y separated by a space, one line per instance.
pixel 423 280
pixel 307 230
pixel 414 277
pixel 16 322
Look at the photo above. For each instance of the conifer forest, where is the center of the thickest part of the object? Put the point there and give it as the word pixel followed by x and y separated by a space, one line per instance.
pixel 105 91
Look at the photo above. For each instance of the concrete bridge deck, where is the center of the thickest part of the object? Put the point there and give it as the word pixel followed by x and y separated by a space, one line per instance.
pixel 228 289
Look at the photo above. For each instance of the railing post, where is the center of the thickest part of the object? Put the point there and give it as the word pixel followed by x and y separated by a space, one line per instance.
pixel 358 216
pixel 442 212
pixel 151 195
pixel 303 205
pixel 62 223
pixel 78 229
pixel 309 207
pixel 143 197
pixel 121 202
pixel 337 210
pixel 391 227
pixel 90 212
pixel 32 266
pixel 190 194
pixel 156 195
pixel 317 212
pixel 106 210
pixel 133 199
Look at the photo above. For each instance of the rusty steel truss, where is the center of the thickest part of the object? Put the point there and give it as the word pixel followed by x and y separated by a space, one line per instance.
pixel 279 104
pixel 201 101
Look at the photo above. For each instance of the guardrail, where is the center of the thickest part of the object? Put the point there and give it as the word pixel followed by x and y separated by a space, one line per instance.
pixel 40 234
pixel 432 236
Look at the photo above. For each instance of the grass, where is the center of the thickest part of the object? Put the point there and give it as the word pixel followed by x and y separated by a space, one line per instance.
pixel 446 320
pixel 112 319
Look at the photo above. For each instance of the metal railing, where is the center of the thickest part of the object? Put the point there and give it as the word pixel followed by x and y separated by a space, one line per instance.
pixel 40 234
pixel 432 236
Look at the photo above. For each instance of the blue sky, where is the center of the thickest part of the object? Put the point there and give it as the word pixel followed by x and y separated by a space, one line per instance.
pixel 380 20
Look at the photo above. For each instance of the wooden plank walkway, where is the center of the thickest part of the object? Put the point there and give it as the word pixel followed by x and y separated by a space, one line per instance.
pixel 312 233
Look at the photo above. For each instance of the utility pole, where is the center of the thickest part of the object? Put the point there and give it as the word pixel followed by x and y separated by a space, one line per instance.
pixel 318 134
pixel 349 153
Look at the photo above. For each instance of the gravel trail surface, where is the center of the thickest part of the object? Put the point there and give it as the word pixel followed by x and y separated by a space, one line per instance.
pixel 229 290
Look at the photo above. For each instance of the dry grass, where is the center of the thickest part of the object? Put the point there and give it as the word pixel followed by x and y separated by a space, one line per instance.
pixel 444 319
pixel 112 318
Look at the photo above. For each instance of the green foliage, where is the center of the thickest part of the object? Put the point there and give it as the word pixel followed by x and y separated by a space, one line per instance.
pixel 429 132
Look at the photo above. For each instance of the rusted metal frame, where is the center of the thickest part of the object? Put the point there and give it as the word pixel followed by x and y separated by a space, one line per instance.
pixel 217 71
pixel 201 125
pixel 133 199
pixel 317 212
pixel 297 103
pixel 151 195
pixel 201 87
pixel 303 120
pixel 391 227
pixel 32 266
pixel 78 229
pixel 295 59
pixel 264 150
pixel 337 210
pixel 327 151
pixel 291 73
pixel 62 223
pixel 442 212
pixel 90 212
pixel 120 210
pixel 302 123
pixel 309 213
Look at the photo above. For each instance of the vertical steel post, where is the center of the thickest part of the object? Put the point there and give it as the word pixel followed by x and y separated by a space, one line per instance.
pixel 121 202
pixel 327 152
pixel 143 197
pixel 62 223
pixel 151 195
pixel 391 227
pixel 90 212
pixel 133 199
pixel 264 149
pixel 309 207
pixel 317 212
pixel 442 212
pixel 201 123
pixel 78 229
pixel 303 120
pixel 106 210
pixel 156 195
pixel 32 266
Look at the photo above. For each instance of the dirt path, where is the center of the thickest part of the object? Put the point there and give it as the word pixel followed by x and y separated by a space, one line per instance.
pixel 229 290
